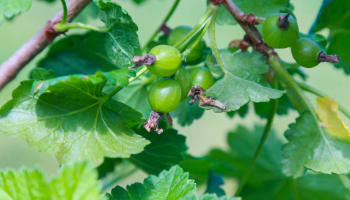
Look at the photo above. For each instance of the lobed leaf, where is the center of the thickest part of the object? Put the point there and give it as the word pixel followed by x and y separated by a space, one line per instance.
pixel 71 117
pixel 93 51
pixel 243 81
pixel 311 146
pixel 30 184
pixel 327 111
pixel 186 113
pixel 173 184
pixel 165 151
pixel 267 181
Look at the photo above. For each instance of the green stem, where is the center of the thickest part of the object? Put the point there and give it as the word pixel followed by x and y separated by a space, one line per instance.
pixel 267 130
pixel 65 12
pixel 111 182
pixel 138 74
pixel 213 43
pixel 316 92
pixel 165 20
pixel 64 27
pixel 181 45
pixel 117 89
pixel 198 40
pixel 294 93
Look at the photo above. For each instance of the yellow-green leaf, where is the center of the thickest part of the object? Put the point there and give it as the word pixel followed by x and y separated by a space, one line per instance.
pixel 327 110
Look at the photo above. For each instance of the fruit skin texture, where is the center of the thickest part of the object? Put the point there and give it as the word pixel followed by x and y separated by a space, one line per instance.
pixel 183 77
pixel 164 95
pixel 202 77
pixel 277 37
pixel 177 34
pixel 305 52
pixel 168 60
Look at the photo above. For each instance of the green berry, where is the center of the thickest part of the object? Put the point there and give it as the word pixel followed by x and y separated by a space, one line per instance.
pixel 279 35
pixel 177 34
pixel 305 51
pixel 183 77
pixel 202 77
pixel 164 95
pixel 168 60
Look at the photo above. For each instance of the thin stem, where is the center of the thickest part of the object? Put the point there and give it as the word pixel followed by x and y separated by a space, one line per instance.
pixel 267 130
pixel 116 179
pixel 165 20
pixel 198 40
pixel 213 42
pixel 293 91
pixel 65 27
pixel 65 12
pixel 138 74
pixel 117 89
pixel 181 45
pixel 316 92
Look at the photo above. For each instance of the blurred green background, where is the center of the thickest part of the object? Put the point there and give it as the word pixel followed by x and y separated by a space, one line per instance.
pixel 208 132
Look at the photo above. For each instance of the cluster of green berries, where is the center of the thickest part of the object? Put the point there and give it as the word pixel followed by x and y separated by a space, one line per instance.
pixel 281 31
pixel 175 80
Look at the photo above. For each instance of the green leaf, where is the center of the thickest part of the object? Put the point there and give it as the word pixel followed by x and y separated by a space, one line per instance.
pixel 24 184
pixel 71 118
pixel 310 186
pixel 165 151
pixel 263 109
pixel 209 197
pixel 168 185
pixel 215 181
pixel 135 95
pixel 173 184
pixel 93 51
pixel 234 162
pixel 334 15
pixel 89 12
pixel 31 185
pixel 261 8
pixel 11 8
pixel 242 111
pixel 186 113
pixel 267 181
pixel 78 54
pixel 41 74
pixel 243 81
pixel 310 146
pixel 121 42
pixel 78 181
pixel 338 44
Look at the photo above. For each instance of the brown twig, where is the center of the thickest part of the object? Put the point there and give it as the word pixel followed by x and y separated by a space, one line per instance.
pixel 250 30
pixel 37 43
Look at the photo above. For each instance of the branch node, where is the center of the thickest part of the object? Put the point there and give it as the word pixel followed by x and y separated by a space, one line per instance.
pixel 148 59
pixel 165 29
pixel 283 21
pixel 241 44
pixel 216 2
pixel 323 57
pixel 251 19
pixel 152 122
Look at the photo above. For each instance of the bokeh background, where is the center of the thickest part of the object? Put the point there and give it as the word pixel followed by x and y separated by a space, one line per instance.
pixel 208 132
